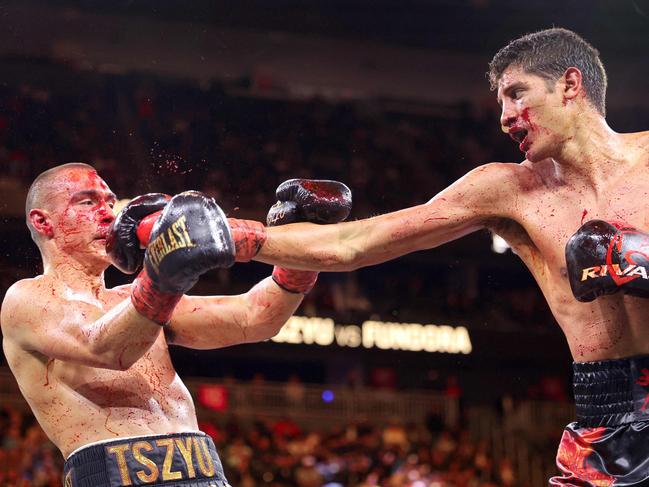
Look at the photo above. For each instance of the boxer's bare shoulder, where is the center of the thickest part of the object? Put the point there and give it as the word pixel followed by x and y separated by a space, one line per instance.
pixel 497 189
pixel 25 305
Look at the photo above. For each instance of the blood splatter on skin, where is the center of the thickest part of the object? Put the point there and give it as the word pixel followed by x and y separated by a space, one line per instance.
pixel 50 362
pixel 583 215
pixel 525 115
pixel 110 412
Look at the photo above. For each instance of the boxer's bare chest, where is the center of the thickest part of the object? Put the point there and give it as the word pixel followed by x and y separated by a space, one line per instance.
pixel 549 215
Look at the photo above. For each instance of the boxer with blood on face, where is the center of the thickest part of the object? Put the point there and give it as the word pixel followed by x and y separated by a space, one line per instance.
pixel 93 363
pixel 575 211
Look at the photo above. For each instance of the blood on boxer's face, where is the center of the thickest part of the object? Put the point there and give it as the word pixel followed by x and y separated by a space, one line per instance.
pixel 534 113
pixel 81 212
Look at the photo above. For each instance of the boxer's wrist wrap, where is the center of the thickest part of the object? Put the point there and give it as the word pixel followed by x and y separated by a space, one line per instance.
pixel 249 237
pixel 294 281
pixel 152 303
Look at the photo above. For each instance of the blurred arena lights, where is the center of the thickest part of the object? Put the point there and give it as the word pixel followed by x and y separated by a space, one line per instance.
pixel 327 395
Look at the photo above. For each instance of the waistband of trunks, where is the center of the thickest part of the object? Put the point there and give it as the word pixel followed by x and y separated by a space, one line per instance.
pixel 185 459
pixel 611 392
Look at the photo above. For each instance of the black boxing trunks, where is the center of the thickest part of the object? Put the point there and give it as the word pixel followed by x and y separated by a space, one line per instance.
pixel 608 445
pixel 183 460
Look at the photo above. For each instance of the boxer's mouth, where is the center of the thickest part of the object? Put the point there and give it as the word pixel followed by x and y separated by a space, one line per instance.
pixel 518 134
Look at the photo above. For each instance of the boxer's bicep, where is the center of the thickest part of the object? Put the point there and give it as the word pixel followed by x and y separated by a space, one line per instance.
pixel 464 207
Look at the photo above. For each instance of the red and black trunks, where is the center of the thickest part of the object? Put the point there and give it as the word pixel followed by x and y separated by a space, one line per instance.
pixel 608 445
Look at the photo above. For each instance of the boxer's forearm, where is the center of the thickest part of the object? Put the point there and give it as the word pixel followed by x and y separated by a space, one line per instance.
pixel 350 245
pixel 207 322
pixel 308 246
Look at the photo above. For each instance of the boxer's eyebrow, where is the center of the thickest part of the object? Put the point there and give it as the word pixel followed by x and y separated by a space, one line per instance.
pixel 509 89
pixel 93 193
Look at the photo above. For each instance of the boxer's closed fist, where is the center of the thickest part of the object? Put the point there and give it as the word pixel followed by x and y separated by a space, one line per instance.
pixel 604 258
pixel 190 237
pixel 122 243
pixel 310 200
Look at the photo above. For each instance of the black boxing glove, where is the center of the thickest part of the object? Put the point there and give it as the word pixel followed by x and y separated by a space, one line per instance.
pixel 190 237
pixel 307 200
pixel 606 257
pixel 122 243
pixel 310 200
pixel 249 235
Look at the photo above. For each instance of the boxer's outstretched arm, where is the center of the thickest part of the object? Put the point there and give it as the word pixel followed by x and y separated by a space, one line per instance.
pixel 36 320
pixel 462 208
pixel 206 322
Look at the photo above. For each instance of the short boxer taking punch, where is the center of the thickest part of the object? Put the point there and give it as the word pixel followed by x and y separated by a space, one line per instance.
pixel 551 86
pixel 93 363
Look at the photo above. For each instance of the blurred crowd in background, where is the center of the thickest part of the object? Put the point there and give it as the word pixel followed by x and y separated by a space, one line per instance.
pixel 282 454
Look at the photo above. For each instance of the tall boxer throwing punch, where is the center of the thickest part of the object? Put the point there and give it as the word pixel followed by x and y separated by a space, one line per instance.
pixel 93 362
pixel 551 86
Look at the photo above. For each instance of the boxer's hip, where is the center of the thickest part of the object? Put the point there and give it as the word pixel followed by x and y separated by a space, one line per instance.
pixel 611 392
pixel 182 459
pixel 609 442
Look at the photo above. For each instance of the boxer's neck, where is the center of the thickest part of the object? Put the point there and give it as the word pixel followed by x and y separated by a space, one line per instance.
pixel 594 155
pixel 77 276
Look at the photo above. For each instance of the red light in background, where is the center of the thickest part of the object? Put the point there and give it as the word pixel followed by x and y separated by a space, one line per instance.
pixel 213 396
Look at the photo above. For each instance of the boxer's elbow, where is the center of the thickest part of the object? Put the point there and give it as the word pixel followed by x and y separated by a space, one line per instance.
pixel 265 324
pixel 339 259
pixel 116 362
pixel 262 331
pixel 349 259
pixel 121 360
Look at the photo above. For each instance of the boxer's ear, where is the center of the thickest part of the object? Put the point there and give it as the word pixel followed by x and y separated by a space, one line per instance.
pixel 41 222
pixel 571 82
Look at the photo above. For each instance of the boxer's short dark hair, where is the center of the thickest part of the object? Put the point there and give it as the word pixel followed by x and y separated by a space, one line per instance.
pixel 548 53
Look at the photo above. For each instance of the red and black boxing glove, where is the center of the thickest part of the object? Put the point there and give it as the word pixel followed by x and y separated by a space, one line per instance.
pixel 122 243
pixel 310 200
pixel 606 257
pixel 190 237
pixel 307 200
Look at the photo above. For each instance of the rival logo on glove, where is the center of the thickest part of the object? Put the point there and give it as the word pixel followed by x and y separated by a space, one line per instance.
pixel 603 271
pixel 176 237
